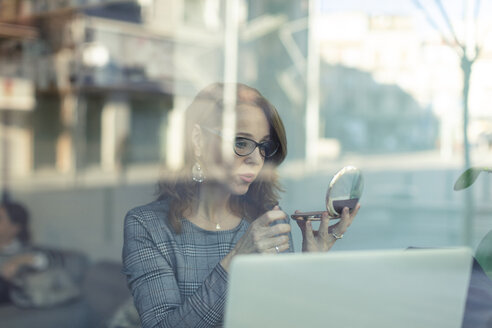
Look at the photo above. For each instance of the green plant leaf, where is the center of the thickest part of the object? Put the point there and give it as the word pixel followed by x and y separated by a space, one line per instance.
pixel 468 177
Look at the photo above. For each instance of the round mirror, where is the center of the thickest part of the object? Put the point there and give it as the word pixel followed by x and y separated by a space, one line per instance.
pixel 344 190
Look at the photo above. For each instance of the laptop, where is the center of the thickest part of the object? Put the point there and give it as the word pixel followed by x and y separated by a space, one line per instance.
pixel 384 288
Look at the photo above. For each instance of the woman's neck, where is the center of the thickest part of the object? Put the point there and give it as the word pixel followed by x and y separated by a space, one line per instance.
pixel 213 201
pixel 212 211
pixel 7 243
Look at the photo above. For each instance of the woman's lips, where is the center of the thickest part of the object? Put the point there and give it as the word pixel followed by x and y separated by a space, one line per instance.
pixel 248 178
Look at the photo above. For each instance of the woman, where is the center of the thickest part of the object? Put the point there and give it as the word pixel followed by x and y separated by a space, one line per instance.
pixel 33 276
pixel 15 252
pixel 178 249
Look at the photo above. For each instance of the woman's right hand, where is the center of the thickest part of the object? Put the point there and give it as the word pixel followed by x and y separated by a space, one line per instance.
pixel 11 267
pixel 262 237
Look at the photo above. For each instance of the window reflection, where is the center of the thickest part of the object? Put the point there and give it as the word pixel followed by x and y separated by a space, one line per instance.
pixel 93 89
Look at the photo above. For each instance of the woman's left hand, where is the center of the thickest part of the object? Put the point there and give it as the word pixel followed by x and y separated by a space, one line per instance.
pixel 325 237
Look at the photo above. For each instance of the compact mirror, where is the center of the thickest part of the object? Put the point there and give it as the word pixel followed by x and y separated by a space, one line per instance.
pixel 344 190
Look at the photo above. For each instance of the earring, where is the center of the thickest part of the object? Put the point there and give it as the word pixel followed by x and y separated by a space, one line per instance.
pixel 197 173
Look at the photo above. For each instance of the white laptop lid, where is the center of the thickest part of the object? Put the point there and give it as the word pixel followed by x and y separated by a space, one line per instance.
pixel 396 288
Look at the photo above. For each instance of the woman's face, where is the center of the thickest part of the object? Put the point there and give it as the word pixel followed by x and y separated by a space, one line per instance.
pixel 8 230
pixel 244 170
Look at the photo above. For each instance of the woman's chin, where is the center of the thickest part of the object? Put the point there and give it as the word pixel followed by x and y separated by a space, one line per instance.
pixel 240 189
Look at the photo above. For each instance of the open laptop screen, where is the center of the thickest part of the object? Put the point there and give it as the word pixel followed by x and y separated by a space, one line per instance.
pixel 411 288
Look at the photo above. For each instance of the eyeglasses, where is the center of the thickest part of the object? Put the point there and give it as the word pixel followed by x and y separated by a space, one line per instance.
pixel 245 146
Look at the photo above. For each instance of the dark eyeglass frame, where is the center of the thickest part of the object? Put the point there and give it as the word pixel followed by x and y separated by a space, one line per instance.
pixel 262 146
